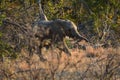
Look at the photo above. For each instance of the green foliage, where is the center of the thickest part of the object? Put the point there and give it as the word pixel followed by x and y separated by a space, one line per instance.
pixel 6 50
pixel 105 12
pixel 2 16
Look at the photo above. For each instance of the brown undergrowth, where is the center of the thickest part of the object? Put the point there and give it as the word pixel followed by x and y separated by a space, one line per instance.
pixel 90 64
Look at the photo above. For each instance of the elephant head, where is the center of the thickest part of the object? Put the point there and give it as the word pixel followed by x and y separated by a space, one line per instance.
pixel 70 29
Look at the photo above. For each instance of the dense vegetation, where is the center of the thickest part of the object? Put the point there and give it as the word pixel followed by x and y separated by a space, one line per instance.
pixel 98 20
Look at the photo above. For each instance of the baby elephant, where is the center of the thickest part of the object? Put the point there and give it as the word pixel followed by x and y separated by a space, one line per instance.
pixel 55 31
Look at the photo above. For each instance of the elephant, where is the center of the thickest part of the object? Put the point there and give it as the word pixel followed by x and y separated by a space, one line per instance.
pixel 55 31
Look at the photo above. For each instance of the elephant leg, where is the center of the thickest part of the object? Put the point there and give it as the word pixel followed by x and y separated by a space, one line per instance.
pixel 40 54
pixel 30 50
pixel 65 48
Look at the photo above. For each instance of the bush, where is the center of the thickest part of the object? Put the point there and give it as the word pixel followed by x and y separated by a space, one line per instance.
pixel 6 50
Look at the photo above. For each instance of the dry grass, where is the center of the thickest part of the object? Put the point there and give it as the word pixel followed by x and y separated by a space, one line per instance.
pixel 89 64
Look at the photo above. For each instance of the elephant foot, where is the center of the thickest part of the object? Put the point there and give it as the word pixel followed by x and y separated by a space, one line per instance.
pixel 68 53
pixel 43 59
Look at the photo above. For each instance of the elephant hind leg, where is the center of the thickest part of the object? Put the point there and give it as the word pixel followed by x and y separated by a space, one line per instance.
pixel 39 52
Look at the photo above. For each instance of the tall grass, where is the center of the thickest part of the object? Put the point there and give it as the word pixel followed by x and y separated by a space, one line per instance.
pixel 103 65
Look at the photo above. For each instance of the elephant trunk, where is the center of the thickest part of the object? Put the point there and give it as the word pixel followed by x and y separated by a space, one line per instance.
pixel 80 37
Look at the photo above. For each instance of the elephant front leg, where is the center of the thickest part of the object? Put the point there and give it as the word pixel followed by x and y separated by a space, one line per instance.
pixel 66 49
